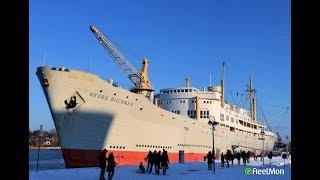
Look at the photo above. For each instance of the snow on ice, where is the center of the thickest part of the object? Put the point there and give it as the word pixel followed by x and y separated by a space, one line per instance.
pixel 194 171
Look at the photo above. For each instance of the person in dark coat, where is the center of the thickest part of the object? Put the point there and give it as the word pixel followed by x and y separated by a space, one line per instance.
pixel 228 157
pixel 102 163
pixel 158 162
pixel 110 166
pixel 152 160
pixel 148 159
pixel 248 156
pixel 164 162
pixel 232 158
pixel 238 157
pixel 141 168
pixel 270 156
pixel 222 160
pixel 244 157
pixel 210 160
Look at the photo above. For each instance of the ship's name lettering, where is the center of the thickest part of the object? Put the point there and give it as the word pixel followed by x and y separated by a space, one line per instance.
pixel 112 99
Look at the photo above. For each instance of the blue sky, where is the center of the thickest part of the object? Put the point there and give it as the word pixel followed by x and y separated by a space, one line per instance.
pixel 181 38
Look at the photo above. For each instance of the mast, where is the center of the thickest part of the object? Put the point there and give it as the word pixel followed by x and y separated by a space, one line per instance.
pixel 222 86
pixel 253 112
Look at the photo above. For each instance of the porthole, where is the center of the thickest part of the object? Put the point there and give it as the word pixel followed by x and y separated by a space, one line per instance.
pixel 127 97
pixel 110 146
pixel 136 99
pixel 114 146
pixel 140 109
pixel 115 94
pixel 117 147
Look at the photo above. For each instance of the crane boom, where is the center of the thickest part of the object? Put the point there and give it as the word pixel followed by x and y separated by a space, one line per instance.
pixel 283 111
pixel 126 67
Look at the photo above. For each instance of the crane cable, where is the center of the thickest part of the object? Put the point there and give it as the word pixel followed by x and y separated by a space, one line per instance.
pixel 281 120
pixel 265 118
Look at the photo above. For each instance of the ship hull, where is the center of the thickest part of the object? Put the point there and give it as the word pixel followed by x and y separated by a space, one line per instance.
pixel 88 158
pixel 125 123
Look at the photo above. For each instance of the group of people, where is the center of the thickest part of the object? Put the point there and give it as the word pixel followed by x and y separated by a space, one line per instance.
pixel 158 160
pixel 106 164
pixel 226 158
pixel 229 157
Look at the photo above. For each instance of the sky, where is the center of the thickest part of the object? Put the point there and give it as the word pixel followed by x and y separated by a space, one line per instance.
pixel 181 38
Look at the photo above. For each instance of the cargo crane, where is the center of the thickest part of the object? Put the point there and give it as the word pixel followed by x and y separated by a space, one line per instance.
pixel 142 84
pixel 284 111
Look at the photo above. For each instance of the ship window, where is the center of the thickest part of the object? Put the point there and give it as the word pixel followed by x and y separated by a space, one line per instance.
pixel 170 101
pixel 190 90
pixel 188 112
pixel 184 101
pixel 232 119
pixel 186 90
pixel 170 91
pixel 110 146
pixel 227 118
pixel 175 91
pixel 244 123
pixel 178 90
pixel 207 114
pixel 204 101
pixel 182 90
pixel 221 117
pixel 192 101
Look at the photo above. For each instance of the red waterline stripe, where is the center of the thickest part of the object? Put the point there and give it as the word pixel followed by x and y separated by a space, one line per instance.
pixel 89 158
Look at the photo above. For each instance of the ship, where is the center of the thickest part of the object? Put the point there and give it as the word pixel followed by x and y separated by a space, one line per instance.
pixel 91 114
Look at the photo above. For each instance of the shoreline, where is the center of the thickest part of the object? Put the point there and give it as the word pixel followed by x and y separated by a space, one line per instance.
pixel 43 147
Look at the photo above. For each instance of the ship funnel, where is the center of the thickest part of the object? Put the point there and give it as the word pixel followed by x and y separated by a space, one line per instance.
pixel 188 81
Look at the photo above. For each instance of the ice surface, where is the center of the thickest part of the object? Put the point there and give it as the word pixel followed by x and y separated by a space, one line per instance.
pixel 194 170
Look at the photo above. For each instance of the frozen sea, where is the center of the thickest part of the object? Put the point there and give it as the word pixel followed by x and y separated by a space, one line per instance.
pixel 52 167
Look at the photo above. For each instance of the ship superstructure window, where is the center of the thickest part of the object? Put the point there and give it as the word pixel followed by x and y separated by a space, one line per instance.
pixel 232 119
pixel 174 90
pixel 227 118
pixel 204 114
pixel 177 111
pixel 192 113
pixel 178 90
pixel 186 90
pixel 221 117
